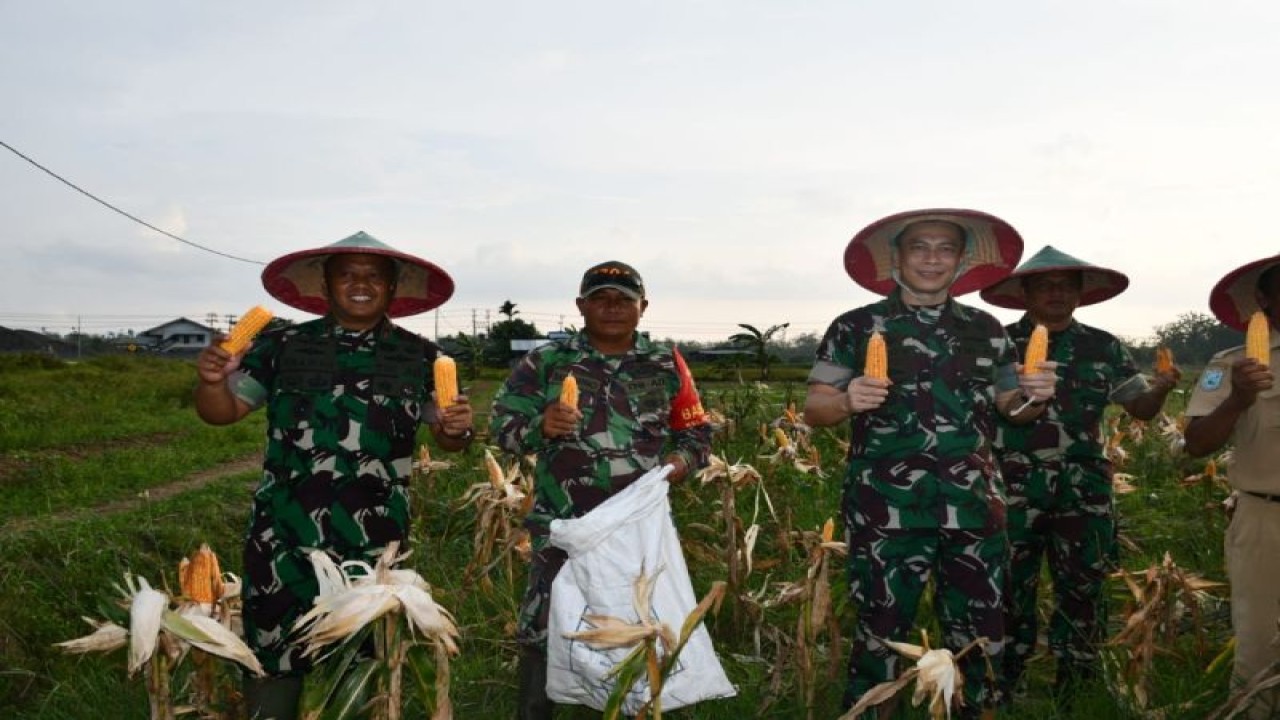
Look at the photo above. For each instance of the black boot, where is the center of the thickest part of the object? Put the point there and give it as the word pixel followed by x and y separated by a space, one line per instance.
pixel 272 698
pixel 532 702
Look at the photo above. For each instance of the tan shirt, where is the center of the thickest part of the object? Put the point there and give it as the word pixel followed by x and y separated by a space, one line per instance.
pixel 1255 463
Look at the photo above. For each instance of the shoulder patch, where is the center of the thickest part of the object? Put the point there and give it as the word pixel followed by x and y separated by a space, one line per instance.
pixel 1212 378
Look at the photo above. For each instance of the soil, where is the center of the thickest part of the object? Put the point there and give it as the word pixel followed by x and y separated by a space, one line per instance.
pixel 192 482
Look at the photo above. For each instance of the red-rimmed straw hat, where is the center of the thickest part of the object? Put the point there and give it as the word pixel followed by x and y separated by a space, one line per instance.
pixel 297 279
pixel 992 249
pixel 1098 283
pixel 1233 300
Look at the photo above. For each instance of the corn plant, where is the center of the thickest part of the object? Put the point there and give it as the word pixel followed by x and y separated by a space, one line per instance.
pixel 163 630
pixel 1162 597
pixel 936 675
pixel 391 605
pixel 499 505
pixel 655 647
pixel 817 610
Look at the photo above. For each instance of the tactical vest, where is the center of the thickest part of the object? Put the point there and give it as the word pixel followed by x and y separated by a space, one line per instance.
pixel 308 364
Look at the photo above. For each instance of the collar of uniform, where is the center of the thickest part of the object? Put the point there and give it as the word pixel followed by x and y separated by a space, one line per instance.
pixel 1026 325
pixel 898 306
pixel 382 329
pixel 581 343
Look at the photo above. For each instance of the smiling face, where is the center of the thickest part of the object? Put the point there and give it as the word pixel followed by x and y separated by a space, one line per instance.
pixel 359 288
pixel 929 255
pixel 610 318
pixel 1052 297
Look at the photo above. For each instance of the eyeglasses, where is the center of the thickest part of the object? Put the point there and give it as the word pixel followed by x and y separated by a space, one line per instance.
pixel 921 247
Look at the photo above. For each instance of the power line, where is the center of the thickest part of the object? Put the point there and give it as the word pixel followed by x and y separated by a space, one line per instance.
pixel 109 206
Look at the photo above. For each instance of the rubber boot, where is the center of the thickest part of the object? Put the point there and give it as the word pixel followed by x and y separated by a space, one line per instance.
pixel 532 702
pixel 272 698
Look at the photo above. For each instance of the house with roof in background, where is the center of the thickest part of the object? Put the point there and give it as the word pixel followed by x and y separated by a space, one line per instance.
pixel 182 336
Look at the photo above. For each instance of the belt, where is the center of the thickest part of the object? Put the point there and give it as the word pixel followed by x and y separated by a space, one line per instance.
pixel 1264 496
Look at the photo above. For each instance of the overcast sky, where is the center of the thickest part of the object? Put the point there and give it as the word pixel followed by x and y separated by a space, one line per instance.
pixel 727 149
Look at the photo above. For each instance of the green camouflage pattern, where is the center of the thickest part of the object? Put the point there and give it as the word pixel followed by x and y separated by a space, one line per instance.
pixel 923 459
pixel 922 497
pixel 625 432
pixel 1058 482
pixel 889 570
pixel 343 409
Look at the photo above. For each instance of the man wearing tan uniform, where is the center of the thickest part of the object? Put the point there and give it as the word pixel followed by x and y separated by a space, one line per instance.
pixel 1235 401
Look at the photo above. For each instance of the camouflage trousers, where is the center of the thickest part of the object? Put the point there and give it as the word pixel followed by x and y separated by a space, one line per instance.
pixel 1074 531
pixel 535 607
pixel 889 570
pixel 279 580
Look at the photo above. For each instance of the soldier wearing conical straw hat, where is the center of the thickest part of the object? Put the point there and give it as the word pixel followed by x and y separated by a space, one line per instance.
pixel 1058 477
pixel 921 481
pixel 344 395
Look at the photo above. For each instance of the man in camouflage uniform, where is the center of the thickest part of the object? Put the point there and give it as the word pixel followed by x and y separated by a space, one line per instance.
pixel 1056 473
pixel 344 396
pixel 1236 402
pixel 638 407
pixel 922 497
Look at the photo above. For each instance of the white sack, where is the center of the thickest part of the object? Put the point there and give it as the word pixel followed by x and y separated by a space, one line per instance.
pixel 608 548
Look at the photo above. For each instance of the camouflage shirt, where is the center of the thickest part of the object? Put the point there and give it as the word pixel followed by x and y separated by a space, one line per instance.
pixel 1094 370
pixel 343 409
pixel 923 458
pixel 626 403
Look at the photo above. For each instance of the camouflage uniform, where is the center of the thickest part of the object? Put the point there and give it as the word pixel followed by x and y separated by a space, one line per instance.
pixel 343 409
pixel 922 496
pixel 626 402
pixel 1058 481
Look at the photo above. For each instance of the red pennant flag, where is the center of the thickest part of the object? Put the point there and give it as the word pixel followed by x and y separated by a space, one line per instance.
pixel 686 407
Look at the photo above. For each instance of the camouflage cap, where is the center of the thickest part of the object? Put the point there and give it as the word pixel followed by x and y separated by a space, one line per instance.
pixel 612 274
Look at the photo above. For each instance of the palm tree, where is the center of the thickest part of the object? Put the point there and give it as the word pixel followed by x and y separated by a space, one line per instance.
pixel 758 343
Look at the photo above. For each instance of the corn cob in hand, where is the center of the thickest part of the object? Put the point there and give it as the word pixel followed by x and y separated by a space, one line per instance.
pixel 877 363
pixel 569 391
pixel 1037 350
pixel 445 371
pixel 1257 340
pixel 242 335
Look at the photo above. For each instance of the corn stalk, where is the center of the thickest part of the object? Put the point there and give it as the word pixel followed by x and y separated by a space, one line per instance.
pixel 644 636
pixel 936 674
pixel 394 603
pixel 1161 596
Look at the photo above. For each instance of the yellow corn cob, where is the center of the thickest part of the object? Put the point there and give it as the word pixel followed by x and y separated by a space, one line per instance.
pixel 569 391
pixel 1257 341
pixel 241 336
pixel 877 363
pixel 780 438
pixel 446 378
pixel 1037 350
pixel 828 530
pixel 200 577
pixel 1164 360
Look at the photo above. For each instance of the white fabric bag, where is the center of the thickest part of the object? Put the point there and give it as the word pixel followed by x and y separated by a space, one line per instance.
pixel 608 548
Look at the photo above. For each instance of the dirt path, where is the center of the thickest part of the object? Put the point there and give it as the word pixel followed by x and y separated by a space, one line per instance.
pixel 192 482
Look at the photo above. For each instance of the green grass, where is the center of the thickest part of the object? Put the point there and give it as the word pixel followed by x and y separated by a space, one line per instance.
pixel 88 436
